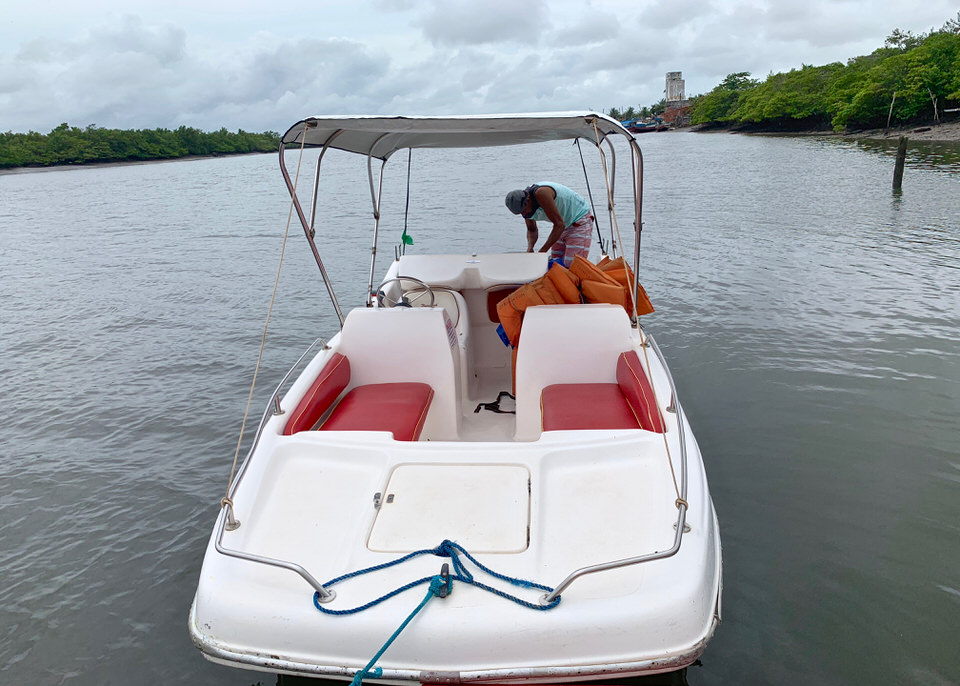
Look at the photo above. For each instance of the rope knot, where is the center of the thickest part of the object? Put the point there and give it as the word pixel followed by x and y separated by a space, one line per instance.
pixel 450 549
pixel 436 583
pixel 680 502
pixel 447 549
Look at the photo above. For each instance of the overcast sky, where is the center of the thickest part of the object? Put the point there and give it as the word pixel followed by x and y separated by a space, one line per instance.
pixel 263 65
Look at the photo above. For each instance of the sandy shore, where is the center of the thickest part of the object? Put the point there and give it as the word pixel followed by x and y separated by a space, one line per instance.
pixel 946 132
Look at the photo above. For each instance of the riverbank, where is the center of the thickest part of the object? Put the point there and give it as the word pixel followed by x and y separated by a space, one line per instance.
pixel 34 168
pixel 945 132
pixel 948 132
pixel 71 146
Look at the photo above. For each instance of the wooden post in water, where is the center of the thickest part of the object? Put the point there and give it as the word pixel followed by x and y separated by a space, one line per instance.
pixel 901 159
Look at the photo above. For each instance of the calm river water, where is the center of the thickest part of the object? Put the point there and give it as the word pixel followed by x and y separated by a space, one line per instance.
pixel 811 319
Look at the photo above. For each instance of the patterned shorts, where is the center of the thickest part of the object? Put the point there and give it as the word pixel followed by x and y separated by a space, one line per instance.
pixel 575 240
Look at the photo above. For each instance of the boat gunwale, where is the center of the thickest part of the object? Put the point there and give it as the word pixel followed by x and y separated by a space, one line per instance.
pixel 574 673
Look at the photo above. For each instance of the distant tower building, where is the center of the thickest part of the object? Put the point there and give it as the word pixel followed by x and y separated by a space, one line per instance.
pixel 675 86
pixel 677 112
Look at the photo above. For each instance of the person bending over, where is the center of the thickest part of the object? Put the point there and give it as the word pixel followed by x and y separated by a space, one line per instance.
pixel 567 211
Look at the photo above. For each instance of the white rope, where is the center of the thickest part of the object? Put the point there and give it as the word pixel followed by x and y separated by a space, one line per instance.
pixel 263 338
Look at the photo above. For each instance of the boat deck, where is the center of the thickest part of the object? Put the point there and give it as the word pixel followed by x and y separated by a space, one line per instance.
pixel 487 425
pixel 337 502
pixel 532 504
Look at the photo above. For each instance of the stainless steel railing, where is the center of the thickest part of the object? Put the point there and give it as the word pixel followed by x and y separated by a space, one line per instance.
pixel 325 595
pixel 275 404
pixel 228 522
pixel 681 502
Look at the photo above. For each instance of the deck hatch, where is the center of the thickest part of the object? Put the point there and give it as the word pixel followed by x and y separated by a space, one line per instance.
pixel 484 508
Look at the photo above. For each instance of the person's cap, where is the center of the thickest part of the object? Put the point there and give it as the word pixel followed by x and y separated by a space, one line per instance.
pixel 515 200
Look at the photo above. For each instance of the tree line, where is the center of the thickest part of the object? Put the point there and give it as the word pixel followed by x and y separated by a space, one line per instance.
pixel 72 145
pixel 911 79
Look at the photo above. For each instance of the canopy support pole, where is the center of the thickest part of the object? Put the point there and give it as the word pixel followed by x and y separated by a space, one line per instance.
pixel 306 225
pixel 637 168
pixel 375 195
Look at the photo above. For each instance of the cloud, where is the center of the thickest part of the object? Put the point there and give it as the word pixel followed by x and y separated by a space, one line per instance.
pixel 110 69
pixel 178 63
pixel 139 76
pixel 468 22
pixel 591 27
pixel 165 43
pixel 673 14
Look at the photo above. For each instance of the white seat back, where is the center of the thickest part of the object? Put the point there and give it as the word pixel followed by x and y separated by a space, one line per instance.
pixel 402 344
pixel 565 344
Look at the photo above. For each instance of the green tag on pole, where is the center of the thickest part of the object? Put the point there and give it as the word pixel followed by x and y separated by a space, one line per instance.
pixel 406 239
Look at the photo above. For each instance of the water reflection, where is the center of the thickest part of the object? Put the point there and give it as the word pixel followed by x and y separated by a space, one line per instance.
pixel 932 155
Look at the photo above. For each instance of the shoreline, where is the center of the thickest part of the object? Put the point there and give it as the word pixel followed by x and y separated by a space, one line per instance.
pixel 944 132
pixel 34 169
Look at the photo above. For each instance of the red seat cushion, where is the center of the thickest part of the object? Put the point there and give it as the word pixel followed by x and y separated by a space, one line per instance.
pixel 637 390
pixel 333 378
pixel 585 406
pixel 399 408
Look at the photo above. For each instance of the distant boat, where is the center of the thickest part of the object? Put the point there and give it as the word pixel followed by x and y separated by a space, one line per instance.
pixel 641 126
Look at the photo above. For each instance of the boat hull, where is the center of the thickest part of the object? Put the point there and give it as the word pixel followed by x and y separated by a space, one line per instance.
pixel 619 623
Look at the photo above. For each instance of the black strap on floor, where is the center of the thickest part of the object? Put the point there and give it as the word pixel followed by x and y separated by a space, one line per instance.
pixel 495 405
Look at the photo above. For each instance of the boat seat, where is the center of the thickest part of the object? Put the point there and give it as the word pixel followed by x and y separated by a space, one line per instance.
pixel 627 404
pixel 403 345
pixel 321 395
pixel 565 344
pixel 399 408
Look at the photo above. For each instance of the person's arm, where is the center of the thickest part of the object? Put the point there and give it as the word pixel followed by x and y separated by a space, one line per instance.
pixel 532 234
pixel 545 197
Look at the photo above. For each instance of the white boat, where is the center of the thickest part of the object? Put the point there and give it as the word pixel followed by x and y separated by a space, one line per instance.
pixel 396 439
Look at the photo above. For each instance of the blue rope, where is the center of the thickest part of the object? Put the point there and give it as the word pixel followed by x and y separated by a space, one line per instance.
pixel 461 573
pixel 435 584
